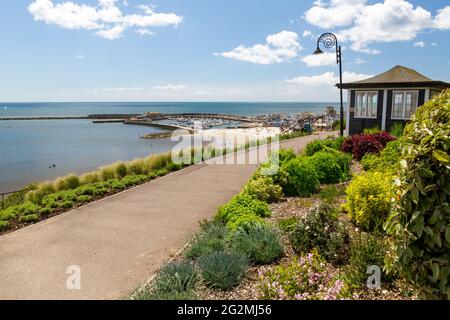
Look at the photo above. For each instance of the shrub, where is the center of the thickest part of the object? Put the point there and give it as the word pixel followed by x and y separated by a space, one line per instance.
pixel 242 204
pixel 45 211
pixel 260 243
pixel 161 172
pixel 287 224
pixel 83 198
pixel 212 237
pixel 303 279
pixel 369 199
pixel 72 182
pixel 318 145
pixel 302 178
pixel 4 225
pixel 129 181
pixel 362 144
pixel 327 168
pixel 28 208
pixel 330 194
pixel 30 218
pixel 243 221
pixel 397 130
pixel 222 269
pixel 88 178
pixel 286 154
pixel 171 167
pixel 176 277
pixel 421 214
pixel 321 230
pixel 365 250
pixel 387 160
pixel 372 130
pixel 151 176
pixel 264 189
pixel 136 167
pixel 121 170
pixel 9 213
pixel 106 174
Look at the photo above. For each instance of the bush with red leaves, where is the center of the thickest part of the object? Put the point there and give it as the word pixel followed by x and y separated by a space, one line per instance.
pixel 364 143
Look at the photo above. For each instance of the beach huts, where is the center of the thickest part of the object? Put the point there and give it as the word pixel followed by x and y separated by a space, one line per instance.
pixel 390 97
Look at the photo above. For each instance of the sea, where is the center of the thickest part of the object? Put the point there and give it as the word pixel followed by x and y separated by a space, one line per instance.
pixel 37 150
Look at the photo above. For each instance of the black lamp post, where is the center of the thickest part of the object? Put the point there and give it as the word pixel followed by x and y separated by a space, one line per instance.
pixel 329 40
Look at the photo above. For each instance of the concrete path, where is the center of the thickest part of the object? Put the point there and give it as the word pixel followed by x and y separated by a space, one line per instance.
pixel 120 241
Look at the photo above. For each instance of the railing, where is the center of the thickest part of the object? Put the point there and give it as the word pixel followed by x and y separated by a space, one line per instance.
pixel 3 197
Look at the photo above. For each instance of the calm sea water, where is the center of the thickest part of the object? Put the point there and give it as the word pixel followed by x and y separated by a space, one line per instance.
pixel 28 148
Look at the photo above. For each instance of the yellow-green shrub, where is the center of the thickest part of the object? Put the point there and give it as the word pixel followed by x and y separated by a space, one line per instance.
pixel 369 199
pixel 263 188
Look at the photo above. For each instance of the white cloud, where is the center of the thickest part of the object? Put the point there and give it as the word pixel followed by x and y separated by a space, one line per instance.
pixel 336 13
pixel 170 87
pixel 360 61
pixel 320 60
pixel 145 32
pixel 278 48
pixel 419 44
pixel 80 56
pixel 106 18
pixel 327 79
pixel 442 19
pixel 307 34
pixel 362 24
pixel 112 33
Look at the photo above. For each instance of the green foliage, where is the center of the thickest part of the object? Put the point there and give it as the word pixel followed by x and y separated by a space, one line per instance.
pixel 397 130
pixel 420 221
pixel 107 174
pixel 243 221
pixel 302 178
pixel 286 155
pixel 161 172
pixel 83 199
pixel 175 281
pixel 223 270
pixel 321 230
pixel 369 199
pixel 121 170
pixel 366 250
pixel 318 145
pixel 212 237
pixel 303 279
pixel 4 225
pixel 242 204
pixel 372 130
pixel 129 181
pixel 260 243
pixel 263 188
pixel 387 160
pixel 287 224
pixel 327 167
pixel 17 197
pixel 30 218
pixel 176 277
pixel 330 194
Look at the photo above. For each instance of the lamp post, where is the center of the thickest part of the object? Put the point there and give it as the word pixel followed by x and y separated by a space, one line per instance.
pixel 329 40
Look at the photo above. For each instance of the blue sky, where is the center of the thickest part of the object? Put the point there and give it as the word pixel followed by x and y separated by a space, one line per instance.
pixel 203 50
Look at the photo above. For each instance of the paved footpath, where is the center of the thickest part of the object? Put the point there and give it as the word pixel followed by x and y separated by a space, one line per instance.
pixel 120 241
